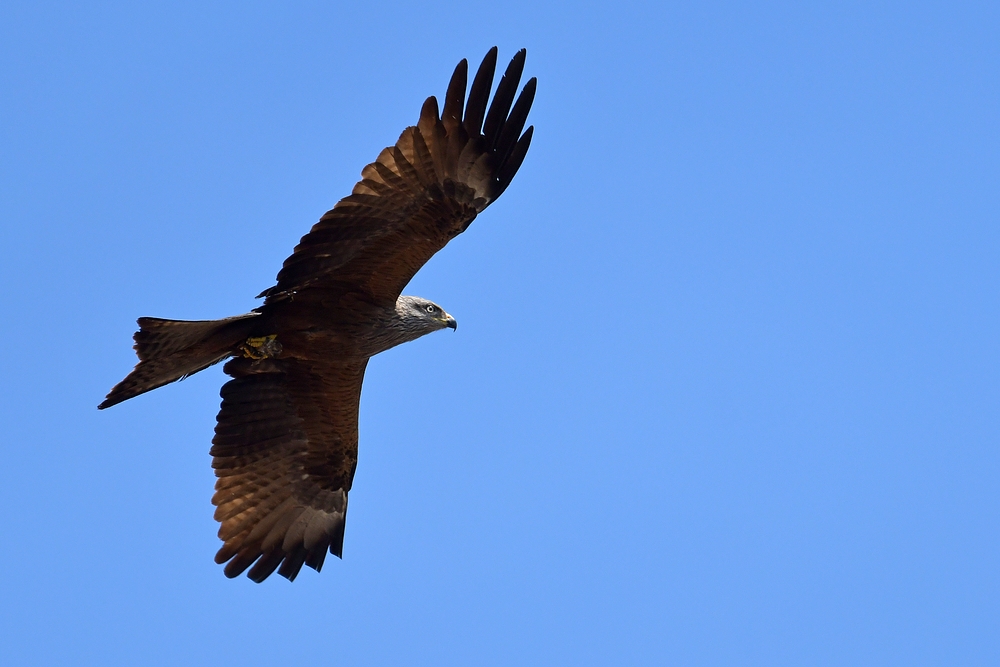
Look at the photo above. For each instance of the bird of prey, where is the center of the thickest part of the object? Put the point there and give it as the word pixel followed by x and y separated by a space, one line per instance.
pixel 286 440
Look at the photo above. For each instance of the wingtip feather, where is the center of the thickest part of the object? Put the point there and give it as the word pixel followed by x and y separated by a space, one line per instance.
pixel 502 99
pixel 455 97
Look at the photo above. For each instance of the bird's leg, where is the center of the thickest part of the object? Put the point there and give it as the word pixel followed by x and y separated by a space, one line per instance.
pixel 262 347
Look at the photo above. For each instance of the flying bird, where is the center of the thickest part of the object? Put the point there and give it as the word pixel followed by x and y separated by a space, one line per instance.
pixel 286 440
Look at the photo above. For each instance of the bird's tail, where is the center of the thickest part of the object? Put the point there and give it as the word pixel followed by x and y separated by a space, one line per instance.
pixel 171 350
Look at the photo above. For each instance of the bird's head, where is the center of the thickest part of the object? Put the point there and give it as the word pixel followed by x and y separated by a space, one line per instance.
pixel 423 316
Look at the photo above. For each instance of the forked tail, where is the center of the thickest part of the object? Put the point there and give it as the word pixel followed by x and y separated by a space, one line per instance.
pixel 170 350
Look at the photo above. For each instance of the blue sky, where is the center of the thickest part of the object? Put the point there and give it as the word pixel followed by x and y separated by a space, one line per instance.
pixel 725 387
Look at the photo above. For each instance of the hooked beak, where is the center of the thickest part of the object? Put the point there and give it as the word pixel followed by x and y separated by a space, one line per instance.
pixel 451 323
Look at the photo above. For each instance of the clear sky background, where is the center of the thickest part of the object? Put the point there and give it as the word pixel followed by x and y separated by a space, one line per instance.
pixel 725 386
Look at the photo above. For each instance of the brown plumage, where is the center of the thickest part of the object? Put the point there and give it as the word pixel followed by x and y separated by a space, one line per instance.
pixel 286 441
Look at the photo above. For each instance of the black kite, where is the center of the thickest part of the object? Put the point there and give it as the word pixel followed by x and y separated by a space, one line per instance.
pixel 286 443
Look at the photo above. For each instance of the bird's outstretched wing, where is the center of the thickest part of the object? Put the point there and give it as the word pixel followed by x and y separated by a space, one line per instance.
pixel 420 193
pixel 285 451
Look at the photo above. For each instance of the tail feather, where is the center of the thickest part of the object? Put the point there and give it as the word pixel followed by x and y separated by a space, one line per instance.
pixel 170 350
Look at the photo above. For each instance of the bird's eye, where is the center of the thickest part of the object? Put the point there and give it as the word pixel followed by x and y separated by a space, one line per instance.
pixel 430 309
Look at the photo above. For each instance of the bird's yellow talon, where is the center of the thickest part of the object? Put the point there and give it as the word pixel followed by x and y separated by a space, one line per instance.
pixel 261 347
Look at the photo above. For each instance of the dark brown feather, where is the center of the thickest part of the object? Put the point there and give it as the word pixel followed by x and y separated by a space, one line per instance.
pixel 515 122
pixel 170 350
pixel 454 99
pixel 514 161
pixel 502 99
pixel 479 95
